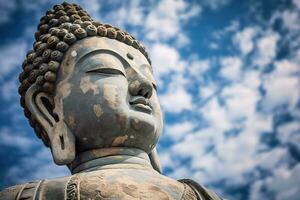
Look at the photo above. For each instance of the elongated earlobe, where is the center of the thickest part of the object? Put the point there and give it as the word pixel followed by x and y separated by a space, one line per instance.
pixel 62 144
pixel 62 140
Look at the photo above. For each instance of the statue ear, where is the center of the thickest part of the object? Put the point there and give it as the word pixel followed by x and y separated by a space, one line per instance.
pixel 62 140
pixel 155 160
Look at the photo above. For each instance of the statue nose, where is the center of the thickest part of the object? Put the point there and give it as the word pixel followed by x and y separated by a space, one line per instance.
pixel 141 87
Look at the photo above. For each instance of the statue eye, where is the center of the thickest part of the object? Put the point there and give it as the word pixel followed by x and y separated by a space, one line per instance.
pixel 107 71
pixel 154 86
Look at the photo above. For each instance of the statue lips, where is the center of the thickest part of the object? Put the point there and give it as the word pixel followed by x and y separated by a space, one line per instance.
pixel 141 104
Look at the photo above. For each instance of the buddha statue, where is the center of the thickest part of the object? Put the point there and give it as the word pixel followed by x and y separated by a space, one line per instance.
pixel 87 89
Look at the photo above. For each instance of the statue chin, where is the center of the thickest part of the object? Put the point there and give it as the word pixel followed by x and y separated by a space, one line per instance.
pixel 143 130
pixel 132 129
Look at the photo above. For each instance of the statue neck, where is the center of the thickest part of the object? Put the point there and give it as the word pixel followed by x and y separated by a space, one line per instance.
pixel 113 157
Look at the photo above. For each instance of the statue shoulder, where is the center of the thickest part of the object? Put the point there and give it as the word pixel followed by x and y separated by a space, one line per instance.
pixel 41 189
pixel 193 189
pixel 26 190
pixel 10 193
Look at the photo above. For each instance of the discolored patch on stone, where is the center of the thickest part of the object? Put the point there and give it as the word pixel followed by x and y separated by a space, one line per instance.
pixel 86 85
pixel 110 94
pixel 71 121
pixel 131 190
pixel 97 110
pixel 119 140
pixel 65 90
pixel 151 146
pixel 73 53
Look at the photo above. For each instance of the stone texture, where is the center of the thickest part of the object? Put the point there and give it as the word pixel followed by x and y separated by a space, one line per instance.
pixel 88 91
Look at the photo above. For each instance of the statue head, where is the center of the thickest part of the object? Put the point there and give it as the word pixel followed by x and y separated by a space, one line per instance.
pixel 87 85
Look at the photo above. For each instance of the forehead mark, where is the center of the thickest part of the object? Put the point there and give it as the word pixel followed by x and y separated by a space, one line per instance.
pixel 97 110
pixel 130 56
pixel 86 85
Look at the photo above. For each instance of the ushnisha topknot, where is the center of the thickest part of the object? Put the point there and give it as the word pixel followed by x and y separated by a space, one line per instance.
pixel 61 27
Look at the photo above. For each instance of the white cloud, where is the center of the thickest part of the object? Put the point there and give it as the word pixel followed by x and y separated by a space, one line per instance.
pixel 244 39
pixel 291 19
pixel 216 115
pixel 165 59
pixel 246 144
pixel 251 79
pixel 152 23
pixel 213 45
pixel 207 91
pixel 179 130
pixel 11 57
pixel 166 160
pixel 290 133
pixel 231 68
pixel 282 86
pixel 9 89
pixel 92 7
pixel 267 48
pixel 10 138
pixel 297 3
pixel 216 4
pixel 273 158
pixel 37 165
pixel 233 165
pixel 6 9
pixel 198 67
pixel 240 101
pixel 274 184
pixel 160 24
pixel 232 27
pixel 192 146
pixel 131 13
pixel 182 40
pixel 180 172
pixel 192 10
pixel 176 100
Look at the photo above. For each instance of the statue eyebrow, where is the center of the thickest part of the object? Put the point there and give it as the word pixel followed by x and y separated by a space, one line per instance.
pixel 100 51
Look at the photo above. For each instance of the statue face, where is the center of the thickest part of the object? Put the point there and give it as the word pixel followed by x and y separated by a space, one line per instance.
pixel 106 95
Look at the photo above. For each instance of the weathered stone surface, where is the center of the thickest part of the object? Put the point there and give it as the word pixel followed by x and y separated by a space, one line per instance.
pixel 88 91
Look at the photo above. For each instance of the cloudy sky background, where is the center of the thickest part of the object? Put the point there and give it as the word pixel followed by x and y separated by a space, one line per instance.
pixel 229 84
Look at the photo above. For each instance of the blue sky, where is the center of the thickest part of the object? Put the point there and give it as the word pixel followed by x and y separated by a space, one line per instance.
pixel 229 84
